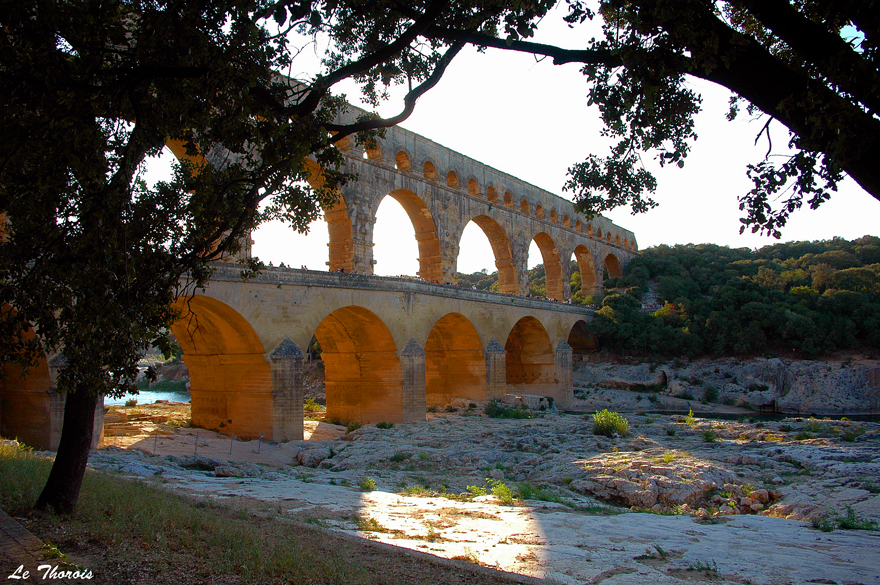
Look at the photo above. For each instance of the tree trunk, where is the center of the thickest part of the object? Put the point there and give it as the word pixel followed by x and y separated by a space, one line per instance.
pixel 65 480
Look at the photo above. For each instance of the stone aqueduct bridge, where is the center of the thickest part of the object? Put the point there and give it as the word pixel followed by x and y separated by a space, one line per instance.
pixel 442 191
pixel 390 347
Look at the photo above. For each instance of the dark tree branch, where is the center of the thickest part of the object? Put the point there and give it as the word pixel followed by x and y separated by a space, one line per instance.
pixel 154 71
pixel 560 56
pixel 840 63
pixel 323 84
pixel 343 130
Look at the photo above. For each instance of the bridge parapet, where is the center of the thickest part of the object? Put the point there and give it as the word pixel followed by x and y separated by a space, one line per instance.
pixel 224 272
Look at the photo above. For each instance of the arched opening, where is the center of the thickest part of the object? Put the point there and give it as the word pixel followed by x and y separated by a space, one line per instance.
pixel 590 230
pixel 27 411
pixel 455 366
pixel 566 221
pixel 579 226
pixel 581 340
pixel 549 254
pixel 508 198
pixel 476 267
pixel 588 285
pixel 429 171
pixel 539 210
pixel 402 162
pixel 473 187
pixel 452 180
pixel 608 237
pixel 612 266
pixel 362 373
pixel 230 379
pixel 502 251
pixel 554 217
pixel 492 194
pixel 343 144
pixel 531 367
pixel 633 246
pixel 392 256
pixel 373 151
pixel 617 240
pixel 318 248
pixel 524 206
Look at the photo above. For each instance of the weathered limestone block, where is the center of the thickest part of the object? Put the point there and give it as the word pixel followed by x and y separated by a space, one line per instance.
pixel 496 370
pixel 412 364
pixel 286 363
pixel 564 375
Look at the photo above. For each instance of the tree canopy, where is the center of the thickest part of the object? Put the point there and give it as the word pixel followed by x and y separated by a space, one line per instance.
pixel 91 257
pixel 811 65
pixel 802 298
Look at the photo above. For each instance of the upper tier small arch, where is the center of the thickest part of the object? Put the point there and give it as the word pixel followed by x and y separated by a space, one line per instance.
pixel 429 171
pixel 403 161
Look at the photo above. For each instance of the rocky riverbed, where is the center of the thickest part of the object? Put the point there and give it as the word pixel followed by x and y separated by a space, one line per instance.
pixel 843 386
pixel 678 498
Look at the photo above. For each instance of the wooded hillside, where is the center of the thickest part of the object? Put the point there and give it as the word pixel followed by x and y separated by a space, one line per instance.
pixel 809 298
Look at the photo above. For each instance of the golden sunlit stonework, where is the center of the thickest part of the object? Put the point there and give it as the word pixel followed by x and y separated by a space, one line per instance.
pixel 391 347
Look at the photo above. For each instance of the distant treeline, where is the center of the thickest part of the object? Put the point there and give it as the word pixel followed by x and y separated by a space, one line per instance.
pixel 810 298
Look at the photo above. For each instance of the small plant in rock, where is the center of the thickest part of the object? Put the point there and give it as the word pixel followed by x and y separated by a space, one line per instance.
pixel 367 484
pixel 813 426
pixel 417 491
pixel 384 425
pixel 668 457
pixel 822 523
pixel 689 420
pixel 711 394
pixel 353 426
pixel 709 436
pixel 365 524
pixel 610 424
pixel 705 567
pixel 652 398
pixel 469 556
pixel 852 522
pixel 501 491
pixel 494 409
pixel 312 406
pixel 670 432
pixel 476 490
pixel 853 433
pixel 529 491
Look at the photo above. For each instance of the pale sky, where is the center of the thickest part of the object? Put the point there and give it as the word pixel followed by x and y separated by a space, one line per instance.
pixel 531 120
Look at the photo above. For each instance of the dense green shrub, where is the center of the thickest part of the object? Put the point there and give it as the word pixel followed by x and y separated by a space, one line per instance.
pixel 494 409
pixel 609 424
